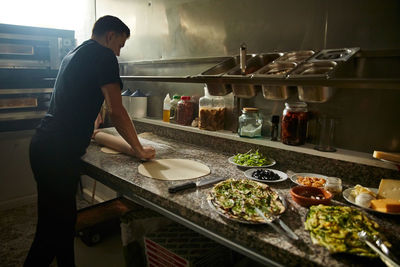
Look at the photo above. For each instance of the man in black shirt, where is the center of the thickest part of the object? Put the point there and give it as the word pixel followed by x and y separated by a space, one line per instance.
pixel 88 75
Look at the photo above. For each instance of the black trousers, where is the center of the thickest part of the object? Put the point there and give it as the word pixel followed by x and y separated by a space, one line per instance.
pixel 56 171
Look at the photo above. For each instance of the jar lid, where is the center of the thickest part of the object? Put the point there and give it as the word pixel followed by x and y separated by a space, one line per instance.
pixel 185 97
pixel 250 109
pixel 296 104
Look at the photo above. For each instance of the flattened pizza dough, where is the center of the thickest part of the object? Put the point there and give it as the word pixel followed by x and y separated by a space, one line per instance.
pixel 173 169
pixel 109 150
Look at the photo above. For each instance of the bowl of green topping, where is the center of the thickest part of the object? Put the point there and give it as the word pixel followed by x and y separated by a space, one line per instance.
pixel 251 159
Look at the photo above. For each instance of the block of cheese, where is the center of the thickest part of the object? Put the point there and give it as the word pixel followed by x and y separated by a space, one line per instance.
pixel 390 156
pixel 389 188
pixel 386 205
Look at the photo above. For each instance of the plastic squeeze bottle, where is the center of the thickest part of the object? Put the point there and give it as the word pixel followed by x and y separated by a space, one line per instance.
pixel 166 108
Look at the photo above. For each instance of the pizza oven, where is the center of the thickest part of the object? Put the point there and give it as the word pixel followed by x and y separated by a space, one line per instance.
pixel 29 61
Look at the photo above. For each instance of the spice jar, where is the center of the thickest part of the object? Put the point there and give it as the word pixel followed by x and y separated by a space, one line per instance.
pixel 250 123
pixel 211 112
pixel 294 123
pixel 184 111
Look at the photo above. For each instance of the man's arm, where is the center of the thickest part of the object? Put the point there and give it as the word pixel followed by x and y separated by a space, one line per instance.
pixel 123 123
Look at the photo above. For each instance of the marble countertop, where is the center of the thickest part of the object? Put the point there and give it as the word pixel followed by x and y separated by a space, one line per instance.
pixel 120 173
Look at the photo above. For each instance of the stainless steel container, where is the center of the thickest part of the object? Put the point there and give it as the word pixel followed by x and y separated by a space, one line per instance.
pixel 253 64
pixel 277 70
pixel 315 94
pixel 320 69
pixel 296 56
pixel 219 89
pixel 340 54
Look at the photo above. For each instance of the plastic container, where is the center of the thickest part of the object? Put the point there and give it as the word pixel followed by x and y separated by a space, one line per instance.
pixel 294 123
pixel 137 105
pixel 185 111
pixel 174 104
pixel 125 98
pixel 250 123
pixel 211 112
pixel 166 108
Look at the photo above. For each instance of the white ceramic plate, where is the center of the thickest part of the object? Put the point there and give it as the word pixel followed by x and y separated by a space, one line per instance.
pixel 294 176
pixel 273 162
pixel 249 172
pixel 350 198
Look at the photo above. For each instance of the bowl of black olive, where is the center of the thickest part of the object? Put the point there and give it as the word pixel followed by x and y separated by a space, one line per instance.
pixel 265 175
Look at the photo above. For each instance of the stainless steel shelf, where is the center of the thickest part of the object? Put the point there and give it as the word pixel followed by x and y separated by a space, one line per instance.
pixel 363 83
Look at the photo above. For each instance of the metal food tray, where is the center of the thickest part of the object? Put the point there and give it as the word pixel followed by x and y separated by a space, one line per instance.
pixel 219 89
pixel 314 69
pixel 340 54
pixel 276 69
pixel 296 56
pixel 223 67
pixel 253 64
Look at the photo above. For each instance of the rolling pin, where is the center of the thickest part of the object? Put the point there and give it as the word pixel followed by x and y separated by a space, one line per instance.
pixel 114 142
pixel 389 156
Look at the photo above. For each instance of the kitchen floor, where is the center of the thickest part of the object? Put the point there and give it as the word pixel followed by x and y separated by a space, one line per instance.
pixel 17 229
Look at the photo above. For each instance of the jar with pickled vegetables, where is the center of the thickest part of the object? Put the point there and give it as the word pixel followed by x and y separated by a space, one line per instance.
pixel 294 123
pixel 185 111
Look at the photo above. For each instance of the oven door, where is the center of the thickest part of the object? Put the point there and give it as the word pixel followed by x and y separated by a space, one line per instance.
pixel 23 52
pixel 22 109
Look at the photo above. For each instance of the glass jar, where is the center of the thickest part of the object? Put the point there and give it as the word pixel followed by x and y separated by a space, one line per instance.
pixel 250 123
pixel 333 185
pixel 294 123
pixel 211 112
pixel 185 111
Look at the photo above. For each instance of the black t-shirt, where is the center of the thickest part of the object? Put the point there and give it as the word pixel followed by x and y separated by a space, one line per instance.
pixel 77 95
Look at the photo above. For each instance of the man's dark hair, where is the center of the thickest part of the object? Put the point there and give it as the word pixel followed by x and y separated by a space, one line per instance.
pixel 110 23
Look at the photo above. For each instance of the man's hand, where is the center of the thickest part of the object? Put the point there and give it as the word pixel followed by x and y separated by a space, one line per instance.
pixel 148 152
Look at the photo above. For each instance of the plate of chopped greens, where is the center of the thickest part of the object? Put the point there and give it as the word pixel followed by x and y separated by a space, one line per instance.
pixel 251 159
pixel 237 200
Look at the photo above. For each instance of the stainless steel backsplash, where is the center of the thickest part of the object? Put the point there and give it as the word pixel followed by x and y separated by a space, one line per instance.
pixel 367 119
